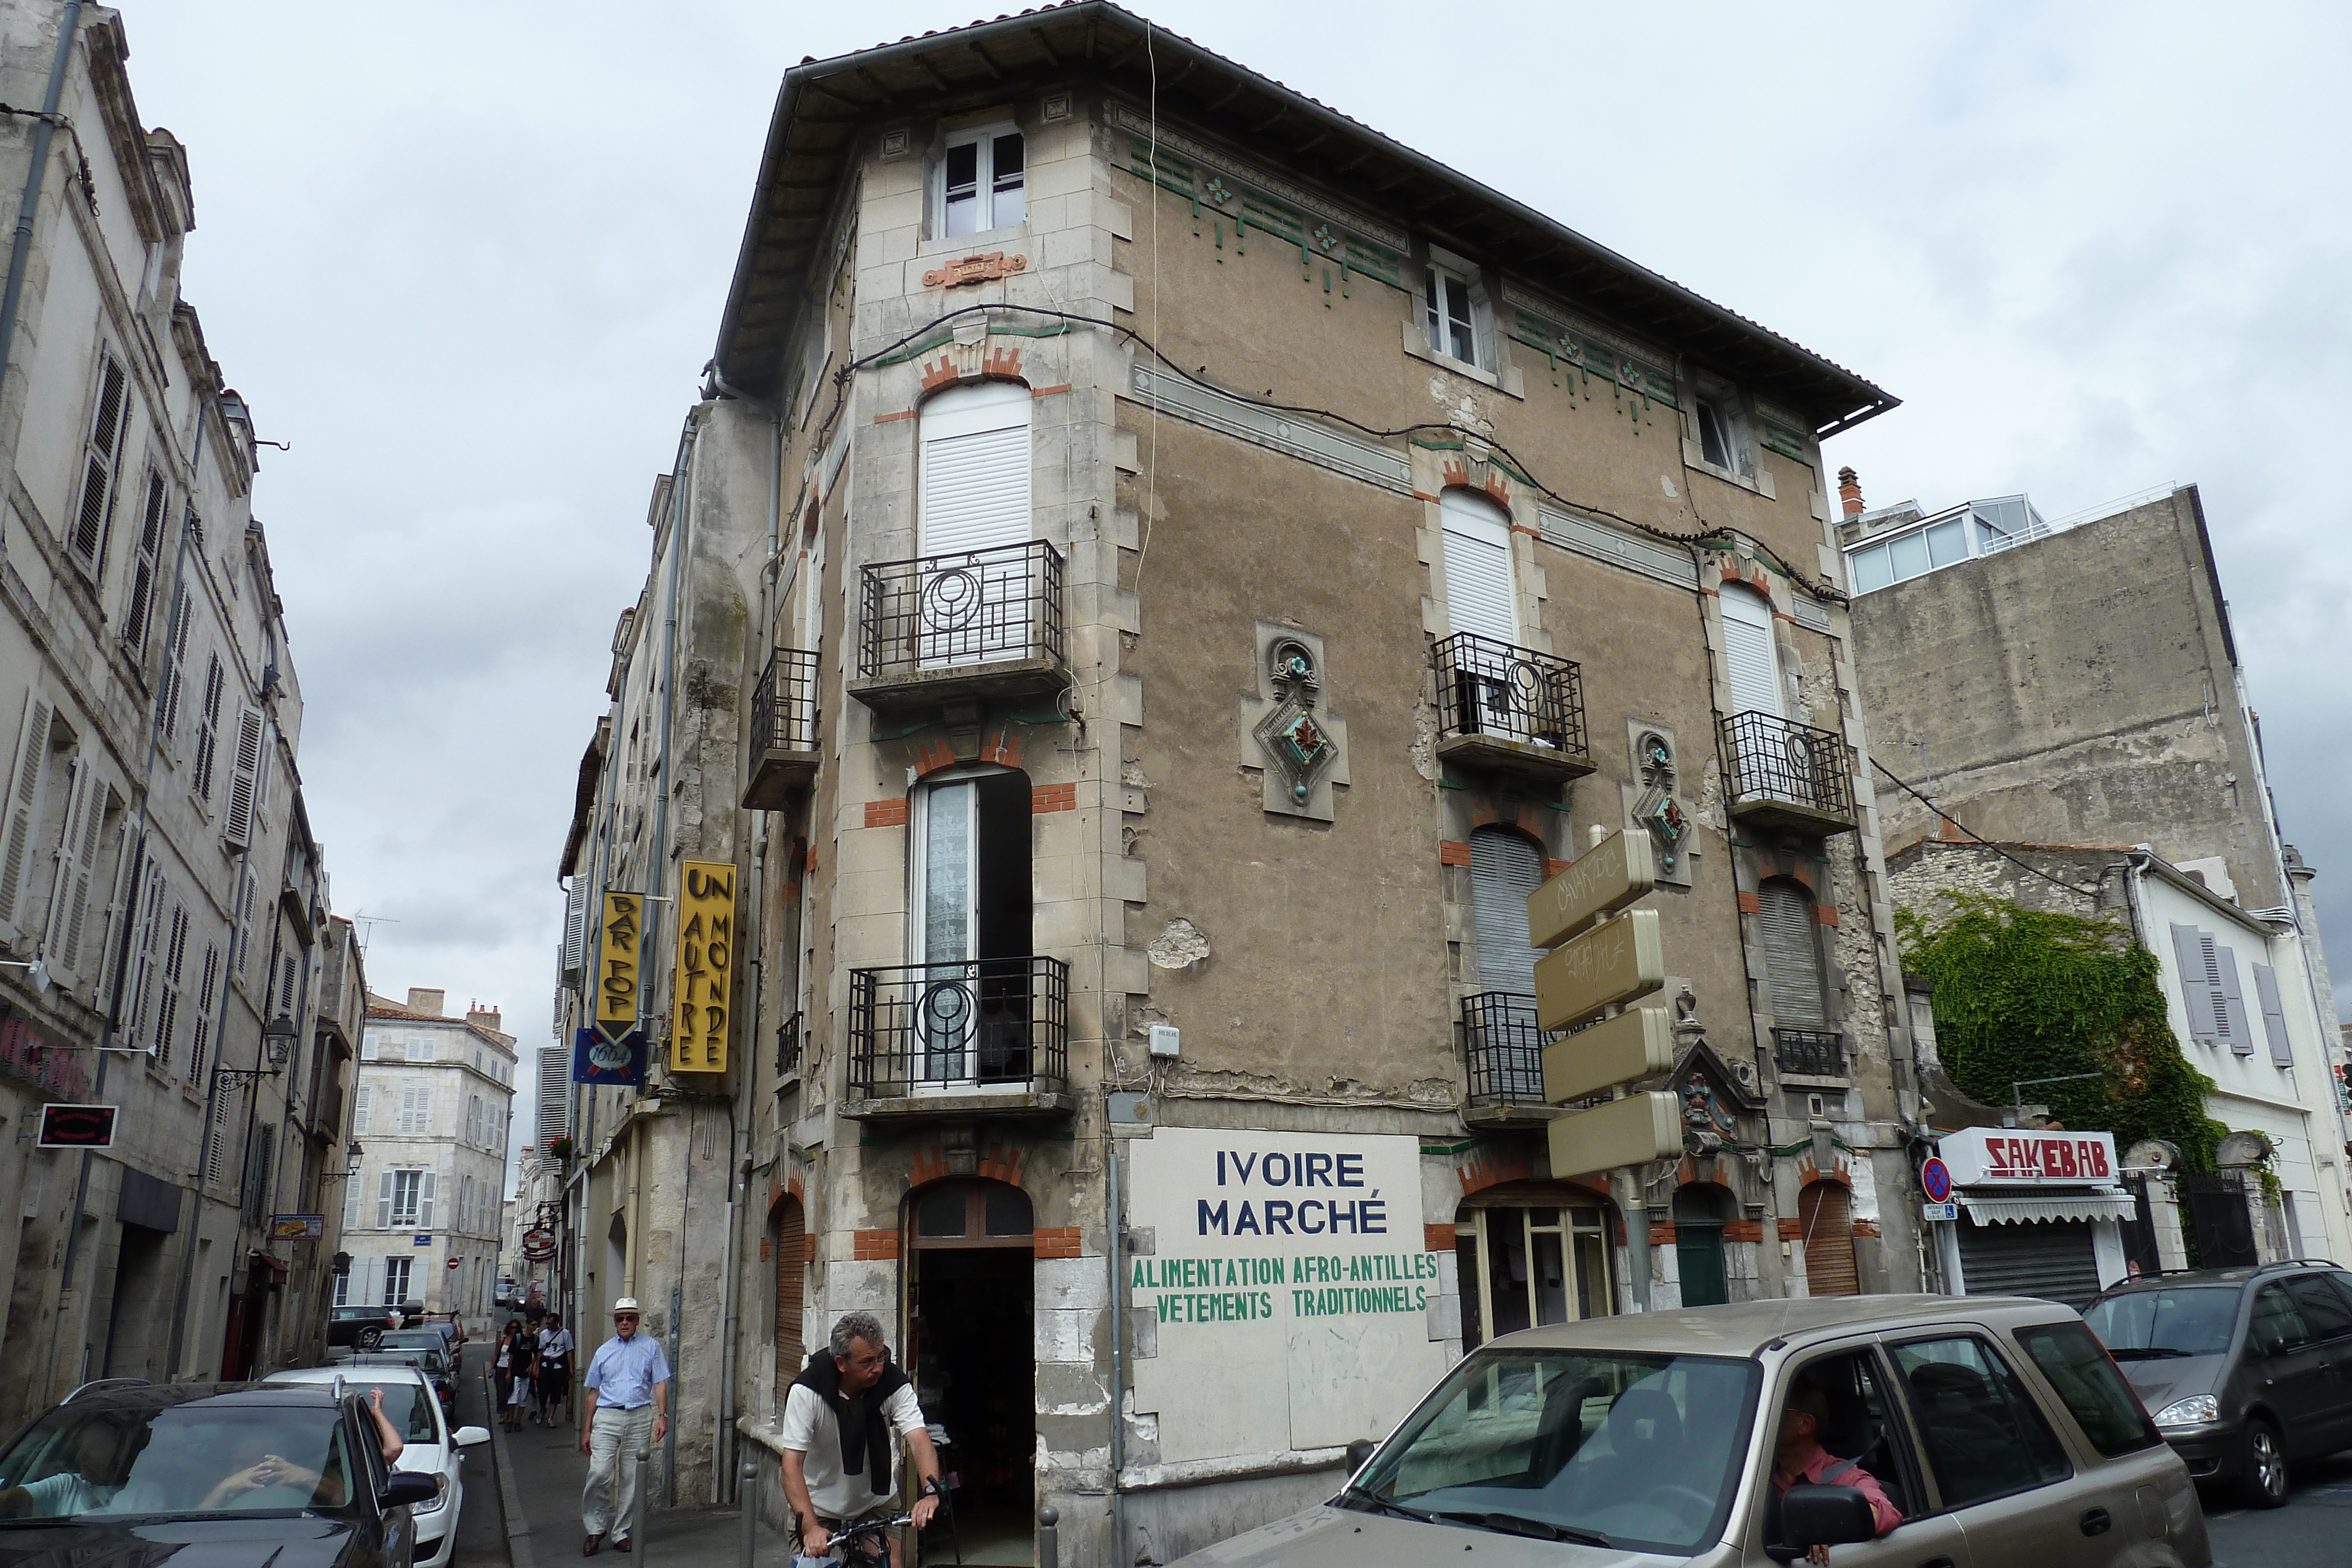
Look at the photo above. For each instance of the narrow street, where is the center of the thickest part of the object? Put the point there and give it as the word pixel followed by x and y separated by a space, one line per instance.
pixel 2308 1533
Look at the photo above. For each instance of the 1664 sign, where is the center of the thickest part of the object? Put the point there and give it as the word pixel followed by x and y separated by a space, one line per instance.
pixel 617 972
pixel 706 966
pixel 537 1245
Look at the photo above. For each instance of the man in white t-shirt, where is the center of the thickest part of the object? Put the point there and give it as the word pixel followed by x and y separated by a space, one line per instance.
pixel 93 1485
pixel 845 1418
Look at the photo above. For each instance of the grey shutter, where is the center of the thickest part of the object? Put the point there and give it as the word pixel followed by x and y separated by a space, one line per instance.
pixel 1504 867
pixel 425 1203
pixel 2266 993
pixel 244 785
pixel 22 787
pixel 1748 649
pixel 975 478
pixel 216 1146
pixel 383 1201
pixel 2191 950
pixel 1792 954
pixel 2233 1001
pixel 77 866
pixel 362 1104
pixel 99 457
pixel 2055 1259
pixel 1479 596
pixel 575 926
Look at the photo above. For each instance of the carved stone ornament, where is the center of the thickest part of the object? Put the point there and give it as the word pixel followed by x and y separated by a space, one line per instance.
pixel 987 269
pixel 1296 743
pixel 1657 809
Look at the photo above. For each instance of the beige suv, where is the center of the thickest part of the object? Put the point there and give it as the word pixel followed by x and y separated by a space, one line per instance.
pixel 1919 1431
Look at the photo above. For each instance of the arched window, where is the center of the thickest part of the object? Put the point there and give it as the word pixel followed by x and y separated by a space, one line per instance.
pixel 1700 1209
pixel 1480 594
pixel 1749 649
pixel 1506 866
pixel 1531 1260
pixel 974 468
pixel 1792 954
pixel 1826 1220
pixel 788 1233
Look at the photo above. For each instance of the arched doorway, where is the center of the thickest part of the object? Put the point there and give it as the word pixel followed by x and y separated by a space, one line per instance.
pixel 970 1343
pixel 1826 1220
pixel 1700 1209
pixel 788 1241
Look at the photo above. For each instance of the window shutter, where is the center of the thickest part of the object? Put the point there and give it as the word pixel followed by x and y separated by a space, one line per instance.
pixel 2192 951
pixel 122 907
pixel 107 421
pixel 245 780
pixel 24 805
pixel 1748 649
pixel 425 1203
pixel 575 926
pixel 1792 954
pixel 1504 867
pixel 362 1103
pixel 201 1036
pixel 1480 598
pixel 1825 1217
pixel 975 469
pixel 207 746
pixel 350 1214
pixel 2266 993
pixel 77 866
pixel 216 1146
pixel 383 1202
pixel 2233 1001
pixel 141 606
pixel 175 663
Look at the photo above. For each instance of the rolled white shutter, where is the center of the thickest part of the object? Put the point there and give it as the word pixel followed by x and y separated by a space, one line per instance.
pixel 244 785
pixel 1480 598
pixel 2266 993
pixel 1504 867
pixel 1750 650
pixel 976 457
pixel 23 785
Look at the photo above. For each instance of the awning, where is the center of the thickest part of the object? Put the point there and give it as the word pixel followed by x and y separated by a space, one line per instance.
pixel 2011 1209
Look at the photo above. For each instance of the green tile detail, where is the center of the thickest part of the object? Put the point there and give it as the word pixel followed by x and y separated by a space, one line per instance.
pixel 1787 443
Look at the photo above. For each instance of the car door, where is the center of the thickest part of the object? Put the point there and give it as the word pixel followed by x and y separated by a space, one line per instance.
pixel 2125 1468
pixel 2328 1319
pixel 2287 1371
pixel 1999 1468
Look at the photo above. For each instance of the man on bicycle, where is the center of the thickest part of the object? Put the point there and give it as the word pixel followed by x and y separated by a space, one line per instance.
pixel 845 1419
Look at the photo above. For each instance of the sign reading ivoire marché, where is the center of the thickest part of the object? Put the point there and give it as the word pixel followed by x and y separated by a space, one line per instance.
pixel 1298 1250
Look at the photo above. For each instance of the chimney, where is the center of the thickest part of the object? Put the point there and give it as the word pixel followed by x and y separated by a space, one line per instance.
pixel 423 1002
pixel 481 1017
pixel 1850 492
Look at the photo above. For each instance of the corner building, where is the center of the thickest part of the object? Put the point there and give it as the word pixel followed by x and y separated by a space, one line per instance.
pixel 1217 562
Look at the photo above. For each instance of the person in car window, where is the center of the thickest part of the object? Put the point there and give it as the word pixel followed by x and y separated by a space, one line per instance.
pixel 258 1479
pixel 94 1485
pixel 1801 1460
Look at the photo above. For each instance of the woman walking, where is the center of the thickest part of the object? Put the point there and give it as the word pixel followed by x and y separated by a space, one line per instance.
pixel 522 1361
pixel 502 1360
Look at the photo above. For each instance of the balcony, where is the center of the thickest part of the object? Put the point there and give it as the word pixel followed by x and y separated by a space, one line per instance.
pixel 1509 708
pixel 979 1037
pixel 1788 775
pixel 978 625
pixel 1810 1058
pixel 1502 1050
pixel 782 744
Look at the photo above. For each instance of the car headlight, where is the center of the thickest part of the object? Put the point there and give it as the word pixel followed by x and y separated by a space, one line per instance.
pixel 2193 1411
pixel 440 1498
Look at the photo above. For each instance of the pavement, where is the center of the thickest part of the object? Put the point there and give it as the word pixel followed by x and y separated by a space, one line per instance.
pixel 2310 1531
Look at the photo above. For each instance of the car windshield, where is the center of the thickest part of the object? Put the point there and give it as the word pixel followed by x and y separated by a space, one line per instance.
pixel 409 1406
pixel 2140 1325
pixel 1608 1448
pixel 198 1459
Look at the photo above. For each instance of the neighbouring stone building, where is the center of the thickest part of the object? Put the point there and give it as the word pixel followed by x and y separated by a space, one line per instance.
pixel 165 945
pixel 422 1220
pixel 1153 583
pixel 2072 692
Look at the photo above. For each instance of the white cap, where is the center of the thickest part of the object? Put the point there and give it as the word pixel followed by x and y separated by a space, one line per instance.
pixel 625 1304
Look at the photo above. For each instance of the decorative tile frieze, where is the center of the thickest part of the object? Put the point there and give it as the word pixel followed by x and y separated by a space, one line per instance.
pixel 993 267
pixel 1287 433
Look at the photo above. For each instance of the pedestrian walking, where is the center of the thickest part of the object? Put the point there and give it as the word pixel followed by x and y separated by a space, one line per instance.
pixel 624 1411
pixel 845 1418
pixel 522 1360
pixel 555 1368
pixel 503 1362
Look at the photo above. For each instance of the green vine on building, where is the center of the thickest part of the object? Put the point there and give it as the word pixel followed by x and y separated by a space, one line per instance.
pixel 2024 994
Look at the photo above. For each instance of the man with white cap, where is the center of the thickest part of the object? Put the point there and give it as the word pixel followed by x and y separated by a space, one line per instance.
pixel 626 1411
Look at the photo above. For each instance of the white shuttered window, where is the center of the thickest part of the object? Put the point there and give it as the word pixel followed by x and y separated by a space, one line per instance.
pixel 975 468
pixel 1480 596
pixel 1504 867
pixel 1792 954
pixel 1750 650
pixel 27 773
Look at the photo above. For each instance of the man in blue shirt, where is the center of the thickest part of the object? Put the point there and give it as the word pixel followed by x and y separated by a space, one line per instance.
pixel 626 1411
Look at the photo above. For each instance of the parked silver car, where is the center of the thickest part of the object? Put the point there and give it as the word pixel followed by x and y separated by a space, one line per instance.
pixel 1918 1430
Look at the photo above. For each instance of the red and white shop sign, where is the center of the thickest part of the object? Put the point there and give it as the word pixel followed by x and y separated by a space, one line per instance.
pixel 1997 1156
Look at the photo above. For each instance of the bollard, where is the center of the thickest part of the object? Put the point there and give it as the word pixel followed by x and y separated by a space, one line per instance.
pixel 1049 1543
pixel 638 1500
pixel 747 1498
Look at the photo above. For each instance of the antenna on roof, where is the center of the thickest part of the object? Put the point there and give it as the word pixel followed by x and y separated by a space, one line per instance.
pixel 363 919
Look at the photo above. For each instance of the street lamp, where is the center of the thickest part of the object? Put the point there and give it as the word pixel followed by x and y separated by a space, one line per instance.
pixel 351 1170
pixel 278 1038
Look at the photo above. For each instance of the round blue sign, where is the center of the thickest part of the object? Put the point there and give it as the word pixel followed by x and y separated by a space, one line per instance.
pixel 1936 1181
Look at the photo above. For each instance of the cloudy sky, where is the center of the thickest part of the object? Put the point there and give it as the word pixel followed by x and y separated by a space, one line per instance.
pixel 468 261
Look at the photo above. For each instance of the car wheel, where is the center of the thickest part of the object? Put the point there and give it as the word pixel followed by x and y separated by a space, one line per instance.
pixel 369 1339
pixel 2262 1466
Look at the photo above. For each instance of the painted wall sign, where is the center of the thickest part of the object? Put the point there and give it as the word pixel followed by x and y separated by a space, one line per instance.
pixel 1605 878
pixel 1301 1251
pixel 618 975
pixel 595 1060
pixel 1608 964
pixel 700 989
pixel 2002 1156
pixel 77 1127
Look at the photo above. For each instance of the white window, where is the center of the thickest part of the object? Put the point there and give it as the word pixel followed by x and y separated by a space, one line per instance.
pixel 1750 650
pixel 396 1278
pixel 1792 952
pixel 1718 441
pixel 23 789
pixel 970 851
pixel 980 181
pixel 102 456
pixel 343 1281
pixel 420 1047
pixel 404 1200
pixel 1455 309
pixel 363 1105
pixel 415 1111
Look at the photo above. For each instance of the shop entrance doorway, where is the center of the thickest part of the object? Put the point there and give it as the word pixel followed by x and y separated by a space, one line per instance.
pixel 970 1340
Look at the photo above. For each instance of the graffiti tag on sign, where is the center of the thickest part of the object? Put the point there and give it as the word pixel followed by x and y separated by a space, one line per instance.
pixel 706 964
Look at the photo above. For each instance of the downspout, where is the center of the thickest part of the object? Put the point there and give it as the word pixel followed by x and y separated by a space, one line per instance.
pixel 1115 1249
pixel 28 208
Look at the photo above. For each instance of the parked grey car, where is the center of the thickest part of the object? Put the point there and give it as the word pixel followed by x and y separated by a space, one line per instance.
pixel 2248 1370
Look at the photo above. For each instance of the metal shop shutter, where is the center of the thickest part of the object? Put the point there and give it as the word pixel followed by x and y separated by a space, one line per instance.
pixel 2053 1260
pixel 976 461
pixel 1747 647
pixel 792 1269
pixel 1479 597
pixel 1792 954
pixel 1504 867
pixel 1825 1220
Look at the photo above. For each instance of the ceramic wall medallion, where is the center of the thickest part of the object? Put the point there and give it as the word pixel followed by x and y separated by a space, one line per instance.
pixel 1289 732
pixel 1654 800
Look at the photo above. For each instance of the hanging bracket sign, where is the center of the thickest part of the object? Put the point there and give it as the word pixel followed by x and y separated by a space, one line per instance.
pixel 703 991
pixel 617 971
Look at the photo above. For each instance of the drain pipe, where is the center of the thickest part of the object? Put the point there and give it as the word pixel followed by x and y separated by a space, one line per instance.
pixel 20 253
pixel 1114 1249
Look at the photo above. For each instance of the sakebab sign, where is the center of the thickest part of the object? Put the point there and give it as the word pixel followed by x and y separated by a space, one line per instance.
pixel 701 988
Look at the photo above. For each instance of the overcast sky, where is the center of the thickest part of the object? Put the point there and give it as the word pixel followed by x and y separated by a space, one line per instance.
pixel 469 259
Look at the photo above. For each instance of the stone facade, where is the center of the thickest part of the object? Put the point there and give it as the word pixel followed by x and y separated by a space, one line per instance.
pixel 156 858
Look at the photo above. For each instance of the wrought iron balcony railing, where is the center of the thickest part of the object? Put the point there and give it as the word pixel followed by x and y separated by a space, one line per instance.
pixel 1809 1052
pixel 945 1029
pixel 1503 1049
pixel 1787 774
pixel 783 742
pixel 1511 705
pixel 952 621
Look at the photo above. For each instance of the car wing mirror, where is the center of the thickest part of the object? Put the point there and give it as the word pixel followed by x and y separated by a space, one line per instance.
pixel 1814 1516
pixel 1360 1453
pixel 406 1487
pixel 467 1436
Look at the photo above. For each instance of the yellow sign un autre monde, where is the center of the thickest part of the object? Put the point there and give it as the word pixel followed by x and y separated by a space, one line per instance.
pixel 706 966
pixel 617 973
